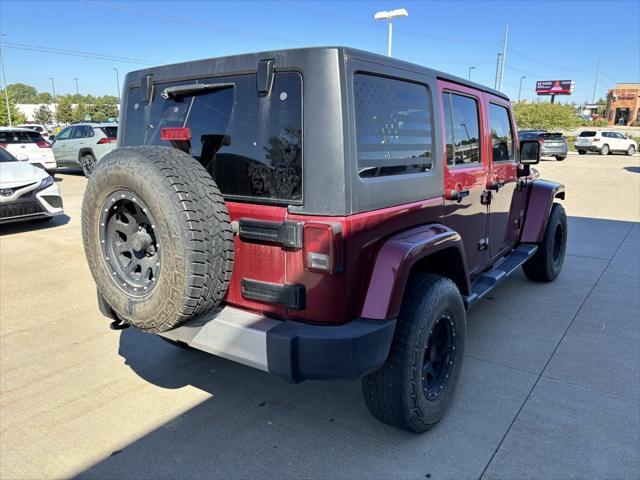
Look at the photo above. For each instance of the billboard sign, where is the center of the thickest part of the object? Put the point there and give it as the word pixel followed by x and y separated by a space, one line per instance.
pixel 554 87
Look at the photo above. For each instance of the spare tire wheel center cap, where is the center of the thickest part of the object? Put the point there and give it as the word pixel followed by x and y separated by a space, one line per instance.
pixel 141 241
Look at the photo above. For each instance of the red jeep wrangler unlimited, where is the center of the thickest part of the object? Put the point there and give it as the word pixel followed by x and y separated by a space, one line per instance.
pixel 318 213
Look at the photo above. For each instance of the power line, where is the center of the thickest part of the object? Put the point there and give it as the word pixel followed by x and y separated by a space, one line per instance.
pixel 542 62
pixel 77 53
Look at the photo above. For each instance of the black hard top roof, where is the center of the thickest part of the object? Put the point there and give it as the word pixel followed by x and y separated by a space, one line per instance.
pixel 349 53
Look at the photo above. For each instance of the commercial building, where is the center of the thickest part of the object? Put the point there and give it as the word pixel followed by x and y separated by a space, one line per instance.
pixel 623 104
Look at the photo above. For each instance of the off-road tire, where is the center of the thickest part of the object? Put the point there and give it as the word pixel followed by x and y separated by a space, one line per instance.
pixel 560 158
pixel 193 233
pixel 88 164
pixel 546 263
pixel 394 393
pixel 582 152
pixel 604 150
pixel 631 150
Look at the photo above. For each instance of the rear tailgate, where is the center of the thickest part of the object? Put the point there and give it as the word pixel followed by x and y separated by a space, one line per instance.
pixel 585 139
pixel 251 144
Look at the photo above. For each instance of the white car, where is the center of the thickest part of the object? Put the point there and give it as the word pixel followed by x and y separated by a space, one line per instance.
pixel 23 142
pixel 26 192
pixel 37 127
pixel 84 144
pixel 605 142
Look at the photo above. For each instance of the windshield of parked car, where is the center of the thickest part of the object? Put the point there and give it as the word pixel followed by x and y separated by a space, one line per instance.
pixel 6 156
pixel 587 134
pixel 20 136
pixel 111 132
pixel 250 144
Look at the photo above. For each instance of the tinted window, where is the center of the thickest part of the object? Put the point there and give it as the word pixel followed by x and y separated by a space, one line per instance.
pixel 82 131
pixel 251 144
pixel 393 126
pixel 501 133
pixel 6 156
pixel 64 134
pixel 111 132
pixel 587 134
pixel 463 132
pixel 17 136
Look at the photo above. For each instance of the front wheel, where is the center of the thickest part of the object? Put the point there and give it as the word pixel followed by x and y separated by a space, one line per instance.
pixel 631 150
pixel 546 263
pixel 413 389
pixel 582 152
pixel 604 150
pixel 560 158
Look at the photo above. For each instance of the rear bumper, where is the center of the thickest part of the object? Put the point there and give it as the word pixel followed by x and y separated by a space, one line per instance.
pixel 588 148
pixel 546 151
pixel 291 350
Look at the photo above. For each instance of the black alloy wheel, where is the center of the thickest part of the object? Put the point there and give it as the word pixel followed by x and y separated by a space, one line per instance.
pixel 438 357
pixel 130 248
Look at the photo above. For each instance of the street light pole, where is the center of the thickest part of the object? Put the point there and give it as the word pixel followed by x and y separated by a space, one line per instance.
pixel 384 15
pixel 55 103
pixel 77 89
pixel 117 81
pixel 471 68
pixel 520 88
pixel 4 81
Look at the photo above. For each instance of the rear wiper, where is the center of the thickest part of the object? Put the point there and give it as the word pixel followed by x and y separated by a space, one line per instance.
pixel 194 89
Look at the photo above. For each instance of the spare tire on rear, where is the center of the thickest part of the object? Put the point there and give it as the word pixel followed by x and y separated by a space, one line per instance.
pixel 157 236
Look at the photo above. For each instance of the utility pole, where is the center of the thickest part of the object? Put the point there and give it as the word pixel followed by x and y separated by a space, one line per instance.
pixel 55 103
pixel 4 81
pixel 496 84
pixel 471 68
pixel 595 87
pixel 520 88
pixel 117 81
pixel 77 89
pixel 504 54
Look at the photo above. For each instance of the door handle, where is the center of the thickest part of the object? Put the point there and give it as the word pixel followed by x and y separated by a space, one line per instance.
pixel 457 195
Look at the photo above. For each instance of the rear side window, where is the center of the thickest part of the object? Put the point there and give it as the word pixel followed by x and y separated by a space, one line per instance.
pixel 251 144
pixel 393 126
pixel 462 129
pixel 111 132
pixel 587 134
pixel 501 133
pixel 20 137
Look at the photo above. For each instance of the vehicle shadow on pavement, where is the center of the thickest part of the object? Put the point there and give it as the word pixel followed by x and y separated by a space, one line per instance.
pixel 33 225
pixel 632 169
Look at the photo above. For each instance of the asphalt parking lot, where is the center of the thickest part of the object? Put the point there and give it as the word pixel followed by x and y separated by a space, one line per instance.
pixel 550 387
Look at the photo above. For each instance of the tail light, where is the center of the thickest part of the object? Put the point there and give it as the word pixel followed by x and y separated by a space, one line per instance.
pixel 102 141
pixel 596 139
pixel 3 145
pixel 323 247
pixel 43 144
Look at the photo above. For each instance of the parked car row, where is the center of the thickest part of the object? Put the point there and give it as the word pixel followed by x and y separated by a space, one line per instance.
pixel 603 142
pixel 77 145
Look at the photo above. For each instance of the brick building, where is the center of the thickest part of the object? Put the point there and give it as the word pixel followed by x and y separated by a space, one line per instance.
pixel 623 104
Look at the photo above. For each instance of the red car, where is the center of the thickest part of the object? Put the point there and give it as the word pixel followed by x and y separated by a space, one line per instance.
pixel 318 213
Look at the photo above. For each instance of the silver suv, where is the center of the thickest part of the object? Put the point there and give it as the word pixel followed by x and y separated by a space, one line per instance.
pixel 83 144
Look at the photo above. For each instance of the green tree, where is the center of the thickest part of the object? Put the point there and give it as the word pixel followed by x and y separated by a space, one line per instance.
pixel 22 93
pixel 45 97
pixel 79 112
pixel 16 115
pixel 545 116
pixel 42 114
pixel 64 112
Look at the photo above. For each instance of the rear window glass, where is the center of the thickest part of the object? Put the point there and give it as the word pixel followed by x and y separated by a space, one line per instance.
pixel 251 144
pixel 111 132
pixel 35 128
pixel 587 134
pixel 393 126
pixel 20 137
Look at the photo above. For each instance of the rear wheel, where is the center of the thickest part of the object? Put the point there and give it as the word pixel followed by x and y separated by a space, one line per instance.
pixel 413 389
pixel 157 237
pixel 582 152
pixel 546 263
pixel 631 150
pixel 88 164
pixel 560 158
pixel 604 150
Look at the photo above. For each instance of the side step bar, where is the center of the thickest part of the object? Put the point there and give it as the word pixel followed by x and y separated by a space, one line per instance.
pixel 490 279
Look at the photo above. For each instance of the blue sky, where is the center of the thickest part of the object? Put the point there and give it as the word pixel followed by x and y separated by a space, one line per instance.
pixel 547 39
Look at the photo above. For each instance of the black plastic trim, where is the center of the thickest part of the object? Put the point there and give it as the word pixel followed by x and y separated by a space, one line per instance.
pixel 298 351
pixel 288 234
pixel 290 295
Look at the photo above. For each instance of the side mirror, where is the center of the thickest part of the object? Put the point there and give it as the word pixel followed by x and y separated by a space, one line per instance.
pixel 21 157
pixel 529 152
pixel 52 137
